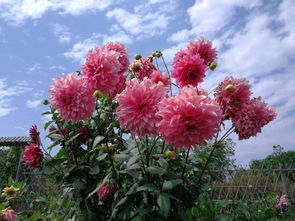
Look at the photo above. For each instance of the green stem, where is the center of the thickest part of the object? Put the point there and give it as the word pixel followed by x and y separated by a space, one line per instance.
pixel 184 167
pixel 168 74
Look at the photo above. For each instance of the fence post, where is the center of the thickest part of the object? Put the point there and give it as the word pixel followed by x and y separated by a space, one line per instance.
pixel 284 180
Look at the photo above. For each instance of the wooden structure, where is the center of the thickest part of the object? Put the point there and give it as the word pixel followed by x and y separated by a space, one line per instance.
pixel 19 141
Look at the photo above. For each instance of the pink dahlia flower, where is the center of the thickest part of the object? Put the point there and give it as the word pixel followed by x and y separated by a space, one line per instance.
pixel 188 118
pixel 32 156
pixel 138 106
pixel 143 68
pixel 123 56
pixel 71 98
pixel 283 203
pixel 120 86
pixel 231 101
pixel 203 48
pixel 102 69
pixel 252 117
pixel 34 134
pixel 105 191
pixel 8 214
pixel 189 69
pixel 158 77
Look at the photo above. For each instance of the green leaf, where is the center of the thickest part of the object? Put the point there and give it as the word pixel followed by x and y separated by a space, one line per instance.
pixel 132 160
pixel 170 184
pixel 47 124
pixel 35 216
pixel 10 181
pixel 2 206
pixel 52 145
pixel 60 153
pixel 46 113
pixel 121 157
pixel 132 189
pixel 102 157
pixel 156 170
pixel 72 139
pixel 56 137
pixel 164 204
pixel 94 170
pixel 97 140
pixel 148 187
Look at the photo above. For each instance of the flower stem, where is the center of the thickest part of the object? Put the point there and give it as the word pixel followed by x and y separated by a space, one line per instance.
pixel 184 167
pixel 168 74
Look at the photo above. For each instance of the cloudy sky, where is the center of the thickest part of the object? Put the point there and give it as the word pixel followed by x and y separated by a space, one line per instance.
pixel 40 39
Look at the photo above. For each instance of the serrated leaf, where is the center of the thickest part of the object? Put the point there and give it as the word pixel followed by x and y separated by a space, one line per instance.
pixel 97 140
pixel 148 187
pixel 164 204
pixel 170 184
pixel 156 170
pixel 94 170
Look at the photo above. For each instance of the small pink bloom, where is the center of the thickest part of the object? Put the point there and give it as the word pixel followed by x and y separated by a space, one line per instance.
pixel 188 118
pixel 138 106
pixel 203 48
pixel 144 68
pixel 105 191
pixel 34 134
pixel 231 101
pixel 252 117
pixel 52 128
pixel 71 98
pixel 283 203
pixel 158 77
pixel 32 156
pixel 8 214
pixel 189 69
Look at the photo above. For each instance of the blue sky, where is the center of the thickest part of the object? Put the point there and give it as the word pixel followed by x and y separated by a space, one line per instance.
pixel 40 39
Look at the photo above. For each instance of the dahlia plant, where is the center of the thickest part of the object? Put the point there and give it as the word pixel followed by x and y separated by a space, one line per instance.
pixel 128 133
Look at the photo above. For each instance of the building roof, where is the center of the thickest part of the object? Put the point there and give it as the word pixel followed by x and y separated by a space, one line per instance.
pixel 14 141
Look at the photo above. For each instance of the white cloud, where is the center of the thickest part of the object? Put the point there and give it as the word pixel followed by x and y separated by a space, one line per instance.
pixel 33 103
pixel 16 11
pixel 80 49
pixel 33 68
pixel 7 93
pixel 62 32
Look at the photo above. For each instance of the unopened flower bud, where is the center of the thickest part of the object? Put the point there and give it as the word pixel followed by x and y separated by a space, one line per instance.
pixel 158 54
pixel 46 102
pixel 135 67
pixel 132 76
pixel 212 65
pixel 170 154
pixel 137 56
pixel 230 88
pixel 97 94
pixel 235 102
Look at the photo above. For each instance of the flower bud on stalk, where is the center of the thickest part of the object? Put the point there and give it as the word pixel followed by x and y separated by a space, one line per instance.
pixel 97 94
pixel 230 88
pixel 212 65
pixel 170 154
pixel 135 66
pixel 137 56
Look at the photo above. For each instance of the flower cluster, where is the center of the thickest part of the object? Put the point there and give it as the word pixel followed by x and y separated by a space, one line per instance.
pixel 190 65
pixel 283 203
pixel 248 115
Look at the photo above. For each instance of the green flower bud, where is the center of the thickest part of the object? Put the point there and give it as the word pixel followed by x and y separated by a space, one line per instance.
pixel 46 102
pixel 230 88
pixel 97 94
pixel 212 65
pixel 137 56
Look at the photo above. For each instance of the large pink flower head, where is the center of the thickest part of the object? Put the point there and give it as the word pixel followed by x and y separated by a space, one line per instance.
pixel 188 69
pixel 123 56
pixel 188 118
pixel 143 67
pixel 138 106
pixel 232 94
pixel 8 214
pixel 71 98
pixel 103 67
pixel 32 156
pixel 252 117
pixel 203 48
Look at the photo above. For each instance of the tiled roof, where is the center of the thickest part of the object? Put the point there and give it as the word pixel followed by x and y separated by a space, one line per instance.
pixel 14 141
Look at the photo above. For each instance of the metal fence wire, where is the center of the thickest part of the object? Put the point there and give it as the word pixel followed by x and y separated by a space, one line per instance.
pixel 245 183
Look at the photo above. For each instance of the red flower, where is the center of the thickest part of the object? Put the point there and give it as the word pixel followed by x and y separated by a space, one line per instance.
pixel 8 214
pixel 105 191
pixel 85 134
pixel 32 156
pixel 34 134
